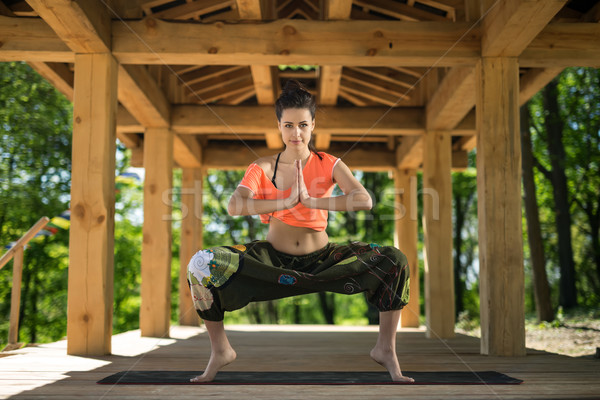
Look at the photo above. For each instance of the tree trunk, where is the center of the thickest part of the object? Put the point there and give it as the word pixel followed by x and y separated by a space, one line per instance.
pixel 459 213
pixel 541 288
pixel 554 128
pixel 327 306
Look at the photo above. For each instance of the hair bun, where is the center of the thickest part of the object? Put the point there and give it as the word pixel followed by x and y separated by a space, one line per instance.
pixel 293 85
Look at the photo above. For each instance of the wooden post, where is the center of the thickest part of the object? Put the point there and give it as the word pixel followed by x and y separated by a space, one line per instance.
pixel 91 235
pixel 15 298
pixel 405 181
pixel 155 312
pixel 501 278
pixel 437 228
pixel 191 239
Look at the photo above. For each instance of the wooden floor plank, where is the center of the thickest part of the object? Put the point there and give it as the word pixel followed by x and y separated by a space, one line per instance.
pixel 47 372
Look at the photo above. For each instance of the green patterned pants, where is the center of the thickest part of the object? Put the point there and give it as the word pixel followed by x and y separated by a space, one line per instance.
pixel 226 278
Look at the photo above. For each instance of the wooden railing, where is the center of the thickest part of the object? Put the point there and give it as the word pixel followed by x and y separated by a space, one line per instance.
pixel 15 300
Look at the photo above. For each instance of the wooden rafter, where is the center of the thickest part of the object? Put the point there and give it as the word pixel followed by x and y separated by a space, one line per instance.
pixel 220 80
pixel 225 90
pixel 400 11
pixel 193 9
pixel 391 75
pixel 356 100
pixel 379 95
pixel 206 73
pixel 375 82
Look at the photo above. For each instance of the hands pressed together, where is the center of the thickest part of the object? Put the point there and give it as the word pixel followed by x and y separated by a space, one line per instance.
pixel 299 192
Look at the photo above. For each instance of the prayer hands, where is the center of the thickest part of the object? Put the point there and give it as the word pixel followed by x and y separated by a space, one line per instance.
pixel 299 193
pixel 304 197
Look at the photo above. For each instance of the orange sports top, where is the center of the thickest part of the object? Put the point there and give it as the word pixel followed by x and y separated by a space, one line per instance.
pixel 318 178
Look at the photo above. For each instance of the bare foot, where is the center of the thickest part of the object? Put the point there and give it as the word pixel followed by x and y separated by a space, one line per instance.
pixel 390 361
pixel 217 361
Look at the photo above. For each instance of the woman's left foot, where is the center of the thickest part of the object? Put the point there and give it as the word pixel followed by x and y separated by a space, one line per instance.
pixel 390 361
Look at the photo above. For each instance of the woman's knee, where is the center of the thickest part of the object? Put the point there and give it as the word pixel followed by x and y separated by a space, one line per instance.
pixel 199 266
pixel 394 254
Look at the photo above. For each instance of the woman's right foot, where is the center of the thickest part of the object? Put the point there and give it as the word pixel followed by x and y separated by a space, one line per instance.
pixel 217 361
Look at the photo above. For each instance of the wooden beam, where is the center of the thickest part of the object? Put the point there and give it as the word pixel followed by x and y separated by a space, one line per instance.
pixel 126 123
pixel 364 43
pixel 273 140
pixel 187 152
pixel 322 141
pixel 84 25
pixel 406 238
pixel 453 99
pixel 262 75
pixel 465 143
pixel 534 80
pixel 564 45
pixel 409 154
pixel 258 119
pixel 58 74
pixel 31 39
pixel 501 268
pixel 511 25
pixel 338 9
pixel 91 235
pixel 191 238
pixel 330 75
pixel 249 9
pixel 155 311
pixel 437 229
pixel 329 84
pixel 143 98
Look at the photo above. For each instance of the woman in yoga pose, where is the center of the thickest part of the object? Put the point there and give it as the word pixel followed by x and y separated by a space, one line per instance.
pixel 291 191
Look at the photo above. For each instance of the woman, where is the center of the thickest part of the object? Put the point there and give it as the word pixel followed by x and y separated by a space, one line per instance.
pixel 291 191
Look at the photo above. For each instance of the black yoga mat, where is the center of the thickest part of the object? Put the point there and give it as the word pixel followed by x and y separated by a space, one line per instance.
pixel 310 378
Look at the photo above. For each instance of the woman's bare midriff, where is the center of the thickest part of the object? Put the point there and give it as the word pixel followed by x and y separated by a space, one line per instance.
pixel 295 240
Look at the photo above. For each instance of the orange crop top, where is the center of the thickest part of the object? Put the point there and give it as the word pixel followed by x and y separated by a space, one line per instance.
pixel 318 178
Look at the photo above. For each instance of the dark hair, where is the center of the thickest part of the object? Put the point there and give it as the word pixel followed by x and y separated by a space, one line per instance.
pixel 296 95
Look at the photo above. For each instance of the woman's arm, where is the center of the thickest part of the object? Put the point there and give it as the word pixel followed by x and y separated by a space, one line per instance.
pixel 355 195
pixel 243 203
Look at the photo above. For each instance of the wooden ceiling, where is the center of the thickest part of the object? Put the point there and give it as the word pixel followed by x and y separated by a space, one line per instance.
pixel 384 71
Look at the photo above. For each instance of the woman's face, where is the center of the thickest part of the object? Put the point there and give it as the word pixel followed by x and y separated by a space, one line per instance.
pixel 296 127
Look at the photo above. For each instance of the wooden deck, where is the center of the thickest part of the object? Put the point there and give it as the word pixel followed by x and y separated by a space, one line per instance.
pixel 47 372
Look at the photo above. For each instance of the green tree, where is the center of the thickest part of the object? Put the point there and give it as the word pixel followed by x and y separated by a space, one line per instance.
pixel 35 163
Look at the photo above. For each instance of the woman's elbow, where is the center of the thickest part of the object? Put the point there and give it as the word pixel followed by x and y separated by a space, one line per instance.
pixel 233 208
pixel 362 201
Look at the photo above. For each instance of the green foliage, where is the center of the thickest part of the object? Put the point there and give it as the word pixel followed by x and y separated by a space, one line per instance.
pixel 35 163
pixel 579 107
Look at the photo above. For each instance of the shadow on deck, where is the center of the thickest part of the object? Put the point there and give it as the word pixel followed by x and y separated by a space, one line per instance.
pixel 46 371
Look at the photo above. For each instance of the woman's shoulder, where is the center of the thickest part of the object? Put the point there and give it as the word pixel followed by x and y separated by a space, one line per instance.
pixel 326 157
pixel 265 163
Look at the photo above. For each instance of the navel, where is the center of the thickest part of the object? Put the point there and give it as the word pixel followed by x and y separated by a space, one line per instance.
pixel 297 243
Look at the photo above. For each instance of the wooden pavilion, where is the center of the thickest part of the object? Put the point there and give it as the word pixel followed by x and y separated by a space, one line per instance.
pixel 402 85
